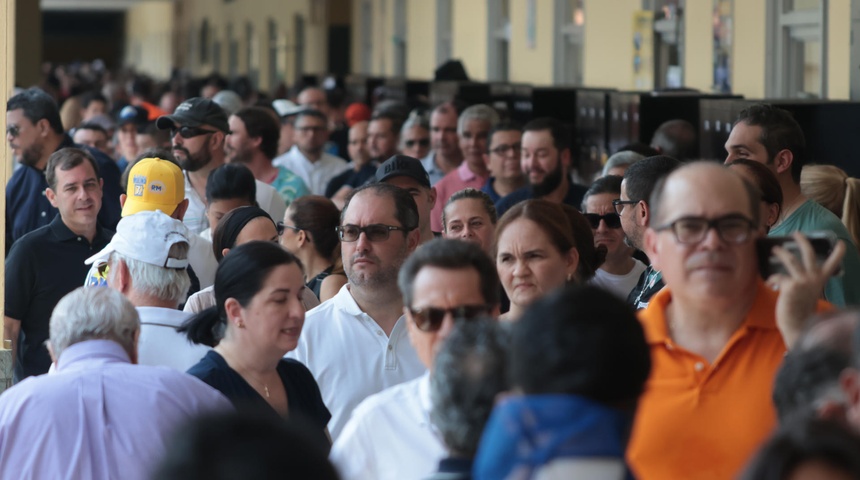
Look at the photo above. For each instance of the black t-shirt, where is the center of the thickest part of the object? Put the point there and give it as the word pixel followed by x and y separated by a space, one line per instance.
pixel 315 283
pixel 303 394
pixel 42 267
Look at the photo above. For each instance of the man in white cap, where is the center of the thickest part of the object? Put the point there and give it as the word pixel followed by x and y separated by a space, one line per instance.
pixel 146 261
pixel 287 112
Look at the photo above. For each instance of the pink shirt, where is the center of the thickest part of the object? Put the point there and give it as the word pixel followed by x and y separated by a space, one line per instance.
pixel 450 184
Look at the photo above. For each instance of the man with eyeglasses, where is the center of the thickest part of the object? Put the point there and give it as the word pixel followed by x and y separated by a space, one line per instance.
pixel 503 161
pixel 198 128
pixel 390 435
pixel 716 332
pixel 473 128
pixel 355 344
pixel 445 155
pixel 34 132
pixel 633 208
pixel 308 158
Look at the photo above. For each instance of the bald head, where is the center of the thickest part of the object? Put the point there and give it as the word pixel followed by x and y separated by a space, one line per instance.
pixel 315 98
pixel 698 184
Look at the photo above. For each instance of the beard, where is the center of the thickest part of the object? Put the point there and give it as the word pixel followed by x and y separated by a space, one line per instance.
pixel 192 162
pixel 241 155
pixel 31 155
pixel 549 183
pixel 385 276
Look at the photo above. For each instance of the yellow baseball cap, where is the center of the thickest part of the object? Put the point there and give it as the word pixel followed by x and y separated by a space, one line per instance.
pixel 154 184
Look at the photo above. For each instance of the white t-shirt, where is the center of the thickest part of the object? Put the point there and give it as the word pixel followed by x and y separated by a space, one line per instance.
pixel 195 217
pixel 620 285
pixel 350 356
pixel 390 436
pixel 161 344
pixel 202 260
pixel 316 175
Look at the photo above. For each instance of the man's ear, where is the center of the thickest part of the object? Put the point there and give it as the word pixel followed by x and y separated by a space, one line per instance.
pixel 643 218
pixel 119 278
pixel 564 158
pixel 51 196
pixel 651 248
pixel 413 239
pixel 181 208
pixel 122 198
pixel 783 161
pixel 433 197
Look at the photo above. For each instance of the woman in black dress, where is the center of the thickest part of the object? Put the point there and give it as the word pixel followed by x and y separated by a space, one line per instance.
pixel 257 319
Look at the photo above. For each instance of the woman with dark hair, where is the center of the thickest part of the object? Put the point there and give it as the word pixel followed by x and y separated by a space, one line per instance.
pixel 257 319
pixel 771 193
pixel 540 246
pixel 309 233
pixel 239 226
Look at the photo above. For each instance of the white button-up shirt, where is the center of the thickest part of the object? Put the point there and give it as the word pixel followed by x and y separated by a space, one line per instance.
pixel 316 175
pixel 350 356
pixel 195 217
pixel 161 344
pixel 389 436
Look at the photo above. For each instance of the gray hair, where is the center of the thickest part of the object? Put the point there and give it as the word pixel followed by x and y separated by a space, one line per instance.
pixel 416 119
pixel 167 284
pixel 621 159
pixel 93 314
pixel 470 370
pixel 481 112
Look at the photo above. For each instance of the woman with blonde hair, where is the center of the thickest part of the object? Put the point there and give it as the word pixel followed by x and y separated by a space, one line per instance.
pixel 834 190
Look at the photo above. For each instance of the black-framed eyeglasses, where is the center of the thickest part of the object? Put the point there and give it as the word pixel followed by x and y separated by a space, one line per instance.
pixel 13 131
pixel 376 232
pixel 189 132
pixel 735 229
pixel 281 226
pixel 422 142
pixel 619 204
pixel 504 149
pixel 612 220
pixel 430 319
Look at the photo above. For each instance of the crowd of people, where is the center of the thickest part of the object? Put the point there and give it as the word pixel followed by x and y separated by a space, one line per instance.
pixel 206 282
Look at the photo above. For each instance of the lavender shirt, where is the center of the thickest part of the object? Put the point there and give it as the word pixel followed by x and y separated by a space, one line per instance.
pixel 98 416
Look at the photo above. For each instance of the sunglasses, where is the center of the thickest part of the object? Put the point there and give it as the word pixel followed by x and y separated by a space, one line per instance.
pixel 282 227
pixel 189 132
pixel 13 131
pixel 375 233
pixel 612 220
pixel 424 142
pixel 430 319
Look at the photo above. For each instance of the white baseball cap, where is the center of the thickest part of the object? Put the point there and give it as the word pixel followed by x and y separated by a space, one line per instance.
pixel 286 108
pixel 147 237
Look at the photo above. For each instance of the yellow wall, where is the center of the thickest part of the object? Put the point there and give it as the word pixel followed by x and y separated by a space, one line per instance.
pixel 149 30
pixel 421 39
pixel 698 45
pixel 839 50
pixel 470 36
pixel 609 43
pixel 526 64
pixel 7 80
pixel 748 48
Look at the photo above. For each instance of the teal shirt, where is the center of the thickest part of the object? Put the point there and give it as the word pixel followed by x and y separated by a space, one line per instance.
pixel 289 185
pixel 841 290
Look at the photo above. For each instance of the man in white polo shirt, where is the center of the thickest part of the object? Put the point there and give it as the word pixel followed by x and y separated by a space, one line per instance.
pixel 389 435
pixel 198 129
pixel 355 344
pixel 146 261
pixel 308 158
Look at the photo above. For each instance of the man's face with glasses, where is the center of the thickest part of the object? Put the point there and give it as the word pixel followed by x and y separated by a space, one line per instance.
pixel 373 242
pixel 703 238
pixel 23 138
pixel 503 158
pixel 191 145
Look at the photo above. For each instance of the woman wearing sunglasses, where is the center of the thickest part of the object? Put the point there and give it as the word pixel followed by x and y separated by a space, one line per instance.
pixel 620 272
pixel 415 136
pixel 257 318
pixel 537 252
pixel 240 225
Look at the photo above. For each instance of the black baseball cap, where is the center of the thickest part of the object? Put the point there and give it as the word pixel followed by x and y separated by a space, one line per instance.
pixel 403 166
pixel 195 112
pixel 132 114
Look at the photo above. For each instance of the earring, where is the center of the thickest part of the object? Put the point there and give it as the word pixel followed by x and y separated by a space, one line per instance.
pixel 240 324
pixel 569 277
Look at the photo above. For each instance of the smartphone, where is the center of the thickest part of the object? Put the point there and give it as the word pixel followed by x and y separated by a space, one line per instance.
pixel 769 264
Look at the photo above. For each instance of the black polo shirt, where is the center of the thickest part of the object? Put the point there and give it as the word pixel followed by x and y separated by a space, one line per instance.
pixel 42 267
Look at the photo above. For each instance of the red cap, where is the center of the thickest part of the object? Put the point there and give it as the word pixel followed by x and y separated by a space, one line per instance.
pixel 357 112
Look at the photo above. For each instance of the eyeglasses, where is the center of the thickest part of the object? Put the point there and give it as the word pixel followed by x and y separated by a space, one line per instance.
pixel 311 129
pixel 430 319
pixel 505 149
pixel 190 132
pixel 613 220
pixel 375 233
pixel 281 228
pixel 619 204
pixel 423 142
pixel 13 131
pixel 691 230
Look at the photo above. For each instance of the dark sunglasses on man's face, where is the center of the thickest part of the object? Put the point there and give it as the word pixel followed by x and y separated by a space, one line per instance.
pixel 423 142
pixel 189 132
pixel 612 220
pixel 430 319
pixel 13 131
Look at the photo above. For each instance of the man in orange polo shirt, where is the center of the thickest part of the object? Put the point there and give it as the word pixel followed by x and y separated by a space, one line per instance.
pixel 715 343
